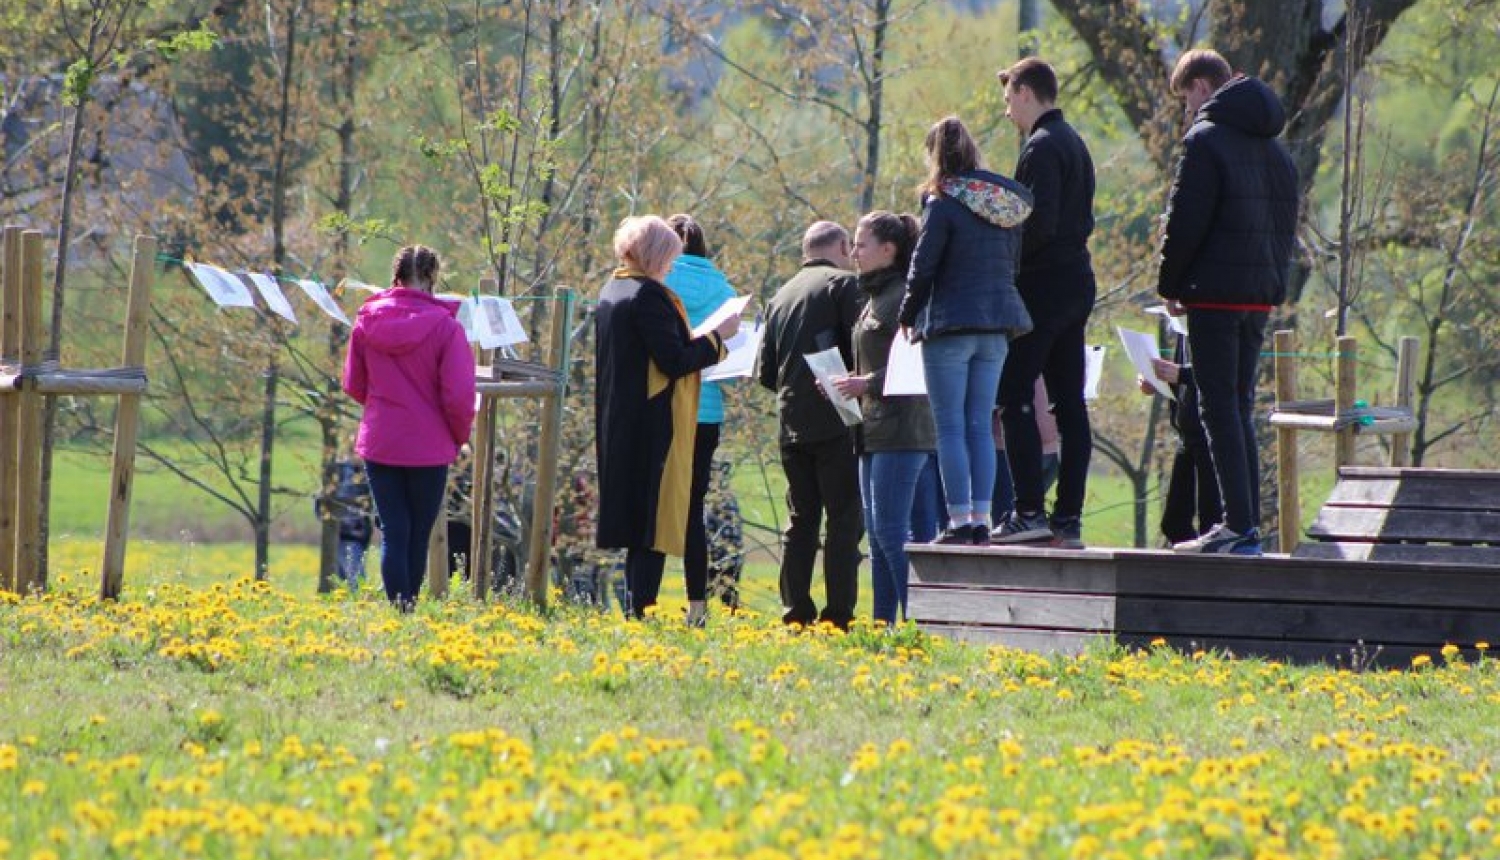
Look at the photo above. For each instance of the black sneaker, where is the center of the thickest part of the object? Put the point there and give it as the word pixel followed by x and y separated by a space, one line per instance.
pixel 1222 540
pixel 1067 533
pixel 971 534
pixel 1022 528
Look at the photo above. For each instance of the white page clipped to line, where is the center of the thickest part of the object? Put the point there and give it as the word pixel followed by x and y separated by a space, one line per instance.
pixel 500 322
pixel 904 373
pixel 275 298
pixel 320 297
pixel 1093 371
pixel 226 290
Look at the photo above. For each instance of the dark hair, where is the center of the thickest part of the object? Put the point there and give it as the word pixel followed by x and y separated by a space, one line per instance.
pixel 1200 64
pixel 690 233
pixel 951 150
pixel 891 228
pixel 416 266
pixel 1034 75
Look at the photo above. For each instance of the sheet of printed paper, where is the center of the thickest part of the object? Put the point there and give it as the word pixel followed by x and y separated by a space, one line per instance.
pixel 904 374
pixel 275 298
pixel 1093 371
pixel 320 297
pixel 225 289
pixel 740 362
pixel 732 308
pixel 501 321
pixel 827 366
pixel 1141 349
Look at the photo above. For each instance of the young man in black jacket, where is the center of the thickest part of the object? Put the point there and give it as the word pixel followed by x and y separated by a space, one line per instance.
pixel 812 312
pixel 1056 280
pixel 1225 254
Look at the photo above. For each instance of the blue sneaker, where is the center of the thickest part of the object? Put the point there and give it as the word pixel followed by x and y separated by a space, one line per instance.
pixel 1222 540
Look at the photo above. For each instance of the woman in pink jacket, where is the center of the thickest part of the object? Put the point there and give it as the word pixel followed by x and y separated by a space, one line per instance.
pixel 411 368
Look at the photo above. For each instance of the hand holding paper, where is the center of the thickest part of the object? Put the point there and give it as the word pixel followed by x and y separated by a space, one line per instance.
pixel 828 366
pixel 1142 350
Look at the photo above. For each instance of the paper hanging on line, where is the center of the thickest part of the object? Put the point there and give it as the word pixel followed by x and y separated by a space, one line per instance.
pixel 1093 371
pixel 275 298
pixel 732 308
pixel 225 289
pixel 1141 349
pixel 498 317
pixel 320 297
pixel 1177 325
pixel 827 366
pixel 904 372
pixel 350 283
pixel 740 362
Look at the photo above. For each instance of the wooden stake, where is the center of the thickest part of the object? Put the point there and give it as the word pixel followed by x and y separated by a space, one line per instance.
pixel 549 450
pixel 482 488
pixel 10 416
pixel 127 420
pixel 439 563
pixel 1406 376
pixel 1343 401
pixel 28 483
pixel 1289 508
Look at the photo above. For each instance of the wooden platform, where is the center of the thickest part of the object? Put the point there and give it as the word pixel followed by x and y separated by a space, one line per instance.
pixel 1352 613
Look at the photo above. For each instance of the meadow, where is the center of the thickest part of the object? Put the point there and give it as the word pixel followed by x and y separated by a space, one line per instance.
pixel 200 717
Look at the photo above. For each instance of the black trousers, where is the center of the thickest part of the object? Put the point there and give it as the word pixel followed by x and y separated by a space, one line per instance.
pixel 643 569
pixel 1053 350
pixel 1226 358
pixel 695 558
pixel 821 478
pixel 1192 506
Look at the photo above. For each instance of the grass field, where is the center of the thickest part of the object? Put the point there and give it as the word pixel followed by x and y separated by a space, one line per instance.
pixel 235 719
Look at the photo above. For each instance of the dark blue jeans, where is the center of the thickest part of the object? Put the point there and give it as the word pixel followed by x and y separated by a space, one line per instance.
pixel 1226 358
pixel 408 499
pixel 890 483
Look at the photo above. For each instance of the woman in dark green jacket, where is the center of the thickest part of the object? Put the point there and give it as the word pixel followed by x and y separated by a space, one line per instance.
pixel 897 463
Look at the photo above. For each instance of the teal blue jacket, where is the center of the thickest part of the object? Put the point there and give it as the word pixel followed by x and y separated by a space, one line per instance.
pixel 702 288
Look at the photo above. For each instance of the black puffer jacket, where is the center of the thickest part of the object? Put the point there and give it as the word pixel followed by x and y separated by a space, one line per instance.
pixel 963 271
pixel 1232 216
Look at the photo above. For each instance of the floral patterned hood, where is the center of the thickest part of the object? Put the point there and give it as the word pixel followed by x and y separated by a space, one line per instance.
pixel 1004 203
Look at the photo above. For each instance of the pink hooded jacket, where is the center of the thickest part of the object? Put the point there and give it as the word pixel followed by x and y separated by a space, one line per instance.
pixel 411 367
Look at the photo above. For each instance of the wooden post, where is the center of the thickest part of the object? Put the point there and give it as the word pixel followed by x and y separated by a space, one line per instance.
pixel 28 573
pixel 482 488
pixel 1289 507
pixel 439 562
pixel 1406 376
pixel 1347 365
pixel 127 420
pixel 10 418
pixel 549 451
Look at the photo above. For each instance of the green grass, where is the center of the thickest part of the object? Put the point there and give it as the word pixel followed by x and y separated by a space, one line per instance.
pixel 240 720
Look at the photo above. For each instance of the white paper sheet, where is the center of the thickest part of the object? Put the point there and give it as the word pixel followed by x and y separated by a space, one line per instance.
pixel 225 289
pixel 351 284
pixel 498 320
pixel 320 297
pixel 740 361
pixel 1142 348
pixel 1093 371
pixel 275 298
pixel 1178 325
pixel 732 308
pixel 904 373
pixel 827 366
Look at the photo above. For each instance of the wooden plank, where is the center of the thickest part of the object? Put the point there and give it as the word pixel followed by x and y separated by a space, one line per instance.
pixel 1297 421
pixel 28 481
pixel 1288 480
pixel 127 420
pixel 1036 641
pixel 967 606
pixel 1426 492
pixel 1409 553
pixel 1403 524
pixel 1406 387
pixel 1365 473
pixel 10 414
pixel 71 383
pixel 1155 572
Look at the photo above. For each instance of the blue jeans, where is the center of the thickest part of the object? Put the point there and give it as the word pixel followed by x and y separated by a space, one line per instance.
pixel 889 483
pixel 408 499
pixel 352 561
pixel 963 377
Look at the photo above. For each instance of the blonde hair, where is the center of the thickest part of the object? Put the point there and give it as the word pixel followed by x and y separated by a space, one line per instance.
pixel 648 244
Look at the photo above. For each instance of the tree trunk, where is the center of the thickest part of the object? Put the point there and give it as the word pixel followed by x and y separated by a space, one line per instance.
pixel 876 117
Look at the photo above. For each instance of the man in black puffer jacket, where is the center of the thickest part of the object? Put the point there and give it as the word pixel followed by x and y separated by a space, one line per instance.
pixel 1225 254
